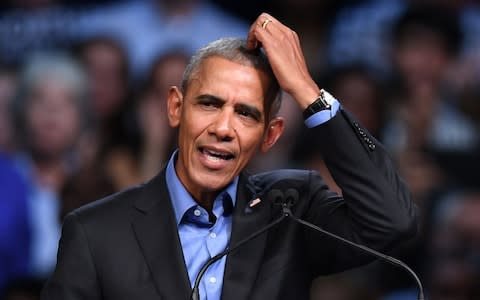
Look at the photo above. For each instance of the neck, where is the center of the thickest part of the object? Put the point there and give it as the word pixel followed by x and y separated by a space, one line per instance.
pixel 50 173
pixel 206 199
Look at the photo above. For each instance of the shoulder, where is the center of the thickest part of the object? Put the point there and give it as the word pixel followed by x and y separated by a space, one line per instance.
pixel 121 208
pixel 281 174
pixel 295 178
pixel 114 201
pixel 117 206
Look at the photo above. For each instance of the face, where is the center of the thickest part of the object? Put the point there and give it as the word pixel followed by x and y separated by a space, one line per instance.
pixel 358 94
pixel 221 121
pixel 53 119
pixel 422 59
pixel 105 66
pixel 167 73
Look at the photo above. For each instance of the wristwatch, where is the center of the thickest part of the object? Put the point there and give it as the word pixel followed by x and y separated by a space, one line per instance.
pixel 323 102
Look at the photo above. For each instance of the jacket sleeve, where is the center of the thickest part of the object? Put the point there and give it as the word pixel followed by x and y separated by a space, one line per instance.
pixel 375 208
pixel 75 275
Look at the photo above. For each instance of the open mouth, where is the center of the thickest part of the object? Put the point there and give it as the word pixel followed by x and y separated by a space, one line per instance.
pixel 214 155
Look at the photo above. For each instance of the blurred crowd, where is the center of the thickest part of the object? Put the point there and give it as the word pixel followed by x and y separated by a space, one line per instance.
pixel 82 115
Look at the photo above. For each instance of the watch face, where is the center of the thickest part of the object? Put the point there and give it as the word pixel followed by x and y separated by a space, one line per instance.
pixel 323 102
pixel 327 98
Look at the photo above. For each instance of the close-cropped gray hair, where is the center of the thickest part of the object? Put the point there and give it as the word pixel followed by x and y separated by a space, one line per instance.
pixel 235 50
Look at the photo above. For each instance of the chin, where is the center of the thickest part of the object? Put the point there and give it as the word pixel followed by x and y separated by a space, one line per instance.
pixel 215 182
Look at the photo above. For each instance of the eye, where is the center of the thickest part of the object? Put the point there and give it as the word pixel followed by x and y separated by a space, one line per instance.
pixel 207 104
pixel 245 113
pixel 248 113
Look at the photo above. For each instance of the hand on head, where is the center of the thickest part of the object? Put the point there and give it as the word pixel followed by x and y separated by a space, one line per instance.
pixel 283 49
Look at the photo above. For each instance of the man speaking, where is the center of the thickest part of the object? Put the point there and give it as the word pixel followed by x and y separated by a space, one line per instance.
pixel 150 241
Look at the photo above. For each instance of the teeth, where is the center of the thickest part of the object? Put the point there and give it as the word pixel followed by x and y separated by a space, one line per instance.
pixel 214 153
pixel 216 156
pixel 213 158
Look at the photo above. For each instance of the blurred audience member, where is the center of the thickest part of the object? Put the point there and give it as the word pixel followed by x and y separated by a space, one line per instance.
pixel 452 260
pixel 111 143
pixel 108 146
pixel 106 64
pixel 361 92
pixel 455 248
pixel 8 83
pixel 50 112
pixel 14 225
pixel 425 119
pixel 134 141
pixel 425 128
pixel 366 25
pixel 157 136
pixel 360 34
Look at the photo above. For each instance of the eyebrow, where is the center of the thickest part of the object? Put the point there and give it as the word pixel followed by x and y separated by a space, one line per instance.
pixel 211 98
pixel 242 106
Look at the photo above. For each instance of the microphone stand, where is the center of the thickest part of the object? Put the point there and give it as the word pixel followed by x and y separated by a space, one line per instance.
pixel 391 260
pixel 196 290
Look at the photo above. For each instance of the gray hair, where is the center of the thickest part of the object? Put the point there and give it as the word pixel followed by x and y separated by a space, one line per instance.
pixel 234 49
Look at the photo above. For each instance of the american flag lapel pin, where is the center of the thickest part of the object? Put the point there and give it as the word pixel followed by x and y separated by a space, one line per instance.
pixel 255 202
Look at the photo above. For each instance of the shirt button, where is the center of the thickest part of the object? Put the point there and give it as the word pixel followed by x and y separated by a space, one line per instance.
pixel 197 212
pixel 213 235
pixel 213 279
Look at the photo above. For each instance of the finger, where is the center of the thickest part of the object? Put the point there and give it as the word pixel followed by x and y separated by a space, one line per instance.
pixel 273 22
pixel 281 32
pixel 258 25
pixel 275 37
pixel 252 41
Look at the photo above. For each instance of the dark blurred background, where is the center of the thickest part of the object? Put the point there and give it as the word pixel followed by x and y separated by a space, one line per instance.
pixel 82 115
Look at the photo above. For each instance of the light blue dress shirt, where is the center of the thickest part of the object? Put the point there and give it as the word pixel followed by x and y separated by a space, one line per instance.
pixel 202 238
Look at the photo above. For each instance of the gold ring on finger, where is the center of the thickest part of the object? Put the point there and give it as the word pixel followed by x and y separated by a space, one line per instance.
pixel 265 23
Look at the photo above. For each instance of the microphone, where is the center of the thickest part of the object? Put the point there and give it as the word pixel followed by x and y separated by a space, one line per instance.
pixel 291 196
pixel 286 201
pixel 275 196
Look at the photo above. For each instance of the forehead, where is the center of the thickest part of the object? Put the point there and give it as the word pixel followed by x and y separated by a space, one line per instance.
pixel 229 80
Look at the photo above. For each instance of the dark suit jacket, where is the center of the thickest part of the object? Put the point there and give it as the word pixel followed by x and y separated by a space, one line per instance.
pixel 127 247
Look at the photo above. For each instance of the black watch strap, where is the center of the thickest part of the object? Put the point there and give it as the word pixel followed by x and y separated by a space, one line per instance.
pixel 323 102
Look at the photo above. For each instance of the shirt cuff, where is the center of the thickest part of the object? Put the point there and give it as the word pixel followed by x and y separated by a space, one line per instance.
pixel 323 116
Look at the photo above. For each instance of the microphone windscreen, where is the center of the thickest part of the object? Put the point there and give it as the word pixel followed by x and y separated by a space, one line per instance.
pixel 291 196
pixel 275 196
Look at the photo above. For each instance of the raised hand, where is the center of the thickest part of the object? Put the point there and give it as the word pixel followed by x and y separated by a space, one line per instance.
pixel 282 46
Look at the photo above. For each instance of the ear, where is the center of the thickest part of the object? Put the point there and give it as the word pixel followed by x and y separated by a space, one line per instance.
pixel 273 131
pixel 174 106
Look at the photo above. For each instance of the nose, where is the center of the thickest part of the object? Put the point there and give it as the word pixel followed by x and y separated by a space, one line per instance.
pixel 223 127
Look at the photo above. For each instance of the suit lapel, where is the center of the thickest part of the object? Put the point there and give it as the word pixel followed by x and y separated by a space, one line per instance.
pixel 242 265
pixel 157 234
